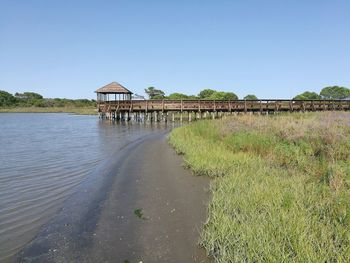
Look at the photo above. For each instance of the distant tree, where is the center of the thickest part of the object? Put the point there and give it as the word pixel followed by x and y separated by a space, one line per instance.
pixel 307 95
pixel 250 97
pixel 6 99
pixel 29 99
pixel 28 95
pixel 177 96
pixel 158 97
pixel 40 103
pixel 211 94
pixel 221 95
pixel 181 96
pixel 57 102
pixel 229 96
pixel 335 92
pixel 154 93
pixel 206 93
pixel 150 91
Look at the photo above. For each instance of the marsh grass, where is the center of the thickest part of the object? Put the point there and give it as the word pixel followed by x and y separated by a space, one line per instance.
pixel 281 187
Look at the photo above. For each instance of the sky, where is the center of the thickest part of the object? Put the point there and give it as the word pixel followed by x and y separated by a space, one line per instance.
pixel 273 49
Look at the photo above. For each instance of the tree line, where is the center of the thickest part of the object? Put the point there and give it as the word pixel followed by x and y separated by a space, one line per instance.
pixel 208 94
pixel 331 92
pixel 32 99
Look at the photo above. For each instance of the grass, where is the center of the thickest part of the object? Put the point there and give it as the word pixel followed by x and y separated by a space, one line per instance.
pixel 281 186
pixel 75 110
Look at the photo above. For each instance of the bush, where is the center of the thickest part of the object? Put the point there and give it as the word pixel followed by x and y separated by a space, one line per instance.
pixel 6 99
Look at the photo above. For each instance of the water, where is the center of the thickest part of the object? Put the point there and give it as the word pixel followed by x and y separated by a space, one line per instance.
pixel 43 158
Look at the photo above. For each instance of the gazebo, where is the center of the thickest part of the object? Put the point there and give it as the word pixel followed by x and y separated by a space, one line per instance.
pixel 105 94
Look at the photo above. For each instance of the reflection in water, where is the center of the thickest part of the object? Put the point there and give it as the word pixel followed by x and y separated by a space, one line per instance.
pixel 42 158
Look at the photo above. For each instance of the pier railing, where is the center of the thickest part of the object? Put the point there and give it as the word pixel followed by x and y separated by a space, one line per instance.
pixel 265 105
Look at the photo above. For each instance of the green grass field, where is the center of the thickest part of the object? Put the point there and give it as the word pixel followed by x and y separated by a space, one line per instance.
pixel 75 110
pixel 280 191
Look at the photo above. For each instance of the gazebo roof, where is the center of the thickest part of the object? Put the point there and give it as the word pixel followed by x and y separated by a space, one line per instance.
pixel 114 88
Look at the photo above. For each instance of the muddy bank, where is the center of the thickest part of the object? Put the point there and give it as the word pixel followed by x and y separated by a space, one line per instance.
pixel 141 205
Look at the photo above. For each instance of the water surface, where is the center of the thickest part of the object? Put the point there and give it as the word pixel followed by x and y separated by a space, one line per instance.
pixel 43 158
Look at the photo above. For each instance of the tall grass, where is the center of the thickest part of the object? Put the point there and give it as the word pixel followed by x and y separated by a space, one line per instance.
pixel 281 187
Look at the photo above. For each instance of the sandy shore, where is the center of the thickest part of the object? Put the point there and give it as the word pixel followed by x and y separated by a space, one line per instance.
pixel 99 224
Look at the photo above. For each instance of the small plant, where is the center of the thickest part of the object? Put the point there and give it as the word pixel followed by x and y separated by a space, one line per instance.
pixel 139 213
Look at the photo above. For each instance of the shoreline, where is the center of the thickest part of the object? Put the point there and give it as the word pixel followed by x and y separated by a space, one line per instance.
pixel 72 110
pixel 99 222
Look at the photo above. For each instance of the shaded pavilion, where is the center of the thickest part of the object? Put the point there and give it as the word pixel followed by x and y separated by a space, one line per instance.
pixel 113 92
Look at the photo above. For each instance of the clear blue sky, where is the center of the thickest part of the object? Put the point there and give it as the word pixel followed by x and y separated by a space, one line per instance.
pixel 269 48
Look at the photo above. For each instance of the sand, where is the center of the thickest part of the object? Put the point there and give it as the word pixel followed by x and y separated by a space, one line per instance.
pixel 140 205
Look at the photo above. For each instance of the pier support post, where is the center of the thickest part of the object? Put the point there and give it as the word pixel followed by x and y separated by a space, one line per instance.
pixel 224 115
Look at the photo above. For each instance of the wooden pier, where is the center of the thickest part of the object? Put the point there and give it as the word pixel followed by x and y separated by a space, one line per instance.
pixel 115 102
pixel 160 109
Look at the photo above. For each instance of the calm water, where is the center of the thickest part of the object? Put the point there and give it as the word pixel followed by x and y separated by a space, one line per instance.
pixel 43 157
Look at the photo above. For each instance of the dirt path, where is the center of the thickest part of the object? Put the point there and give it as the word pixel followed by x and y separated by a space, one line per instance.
pixel 144 207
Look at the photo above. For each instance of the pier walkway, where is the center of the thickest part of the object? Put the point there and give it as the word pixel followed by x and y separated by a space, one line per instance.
pixel 160 109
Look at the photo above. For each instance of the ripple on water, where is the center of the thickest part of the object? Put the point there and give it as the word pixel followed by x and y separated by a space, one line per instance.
pixel 43 157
